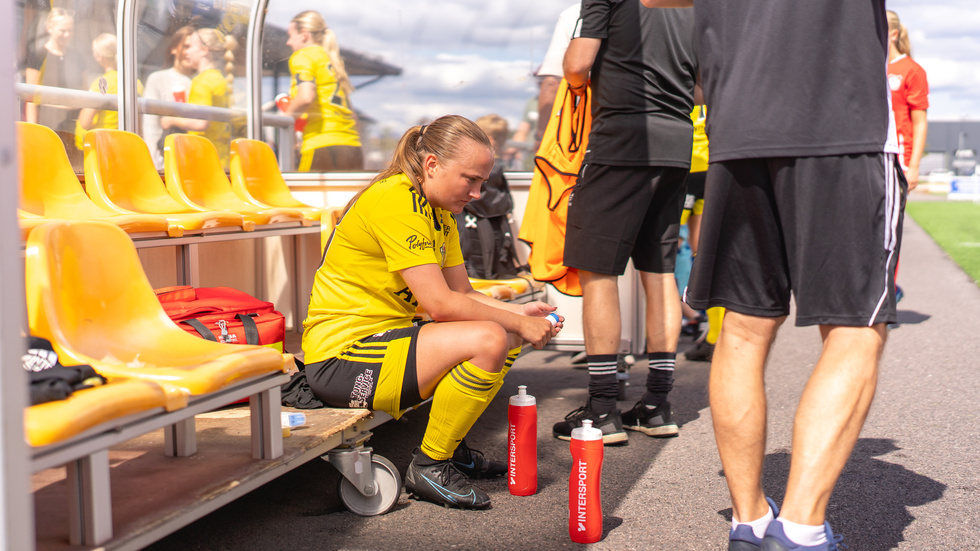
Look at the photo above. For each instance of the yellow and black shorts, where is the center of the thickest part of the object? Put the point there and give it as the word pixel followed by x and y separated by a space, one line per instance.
pixel 694 201
pixel 377 373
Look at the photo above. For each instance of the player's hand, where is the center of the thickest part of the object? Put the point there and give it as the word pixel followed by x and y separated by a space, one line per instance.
pixel 537 331
pixel 537 309
pixel 912 177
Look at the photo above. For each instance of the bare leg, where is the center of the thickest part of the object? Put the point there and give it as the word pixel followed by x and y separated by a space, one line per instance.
pixel 694 232
pixel 600 313
pixel 832 411
pixel 738 408
pixel 663 314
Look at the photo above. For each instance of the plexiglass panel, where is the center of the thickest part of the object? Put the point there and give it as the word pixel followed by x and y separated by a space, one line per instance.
pixel 191 57
pixel 70 46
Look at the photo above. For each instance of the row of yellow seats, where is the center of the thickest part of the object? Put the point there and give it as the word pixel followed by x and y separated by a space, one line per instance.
pixel 125 189
pixel 87 293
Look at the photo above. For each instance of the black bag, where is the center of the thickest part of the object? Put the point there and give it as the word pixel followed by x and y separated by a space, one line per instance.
pixel 489 249
pixel 49 379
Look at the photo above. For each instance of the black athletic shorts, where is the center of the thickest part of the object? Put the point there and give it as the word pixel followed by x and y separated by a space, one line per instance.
pixel 618 213
pixel 827 229
pixel 377 373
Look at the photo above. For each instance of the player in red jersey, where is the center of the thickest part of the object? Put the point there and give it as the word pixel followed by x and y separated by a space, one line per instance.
pixel 910 98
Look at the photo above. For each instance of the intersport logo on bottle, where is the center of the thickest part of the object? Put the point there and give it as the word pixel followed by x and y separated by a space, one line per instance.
pixel 583 478
pixel 512 452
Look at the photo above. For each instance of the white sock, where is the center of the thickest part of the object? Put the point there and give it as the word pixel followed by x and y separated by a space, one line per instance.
pixel 759 525
pixel 804 534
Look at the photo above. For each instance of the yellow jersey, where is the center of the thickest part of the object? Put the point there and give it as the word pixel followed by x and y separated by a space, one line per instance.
pixel 330 120
pixel 104 118
pixel 699 154
pixel 358 290
pixel 209 87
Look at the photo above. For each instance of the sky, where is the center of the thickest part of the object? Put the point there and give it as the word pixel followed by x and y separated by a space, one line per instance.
pixel 474 57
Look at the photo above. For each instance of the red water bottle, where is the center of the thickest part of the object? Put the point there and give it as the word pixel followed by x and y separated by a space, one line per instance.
pixel 522 444
pixel 584 503
pixel 282 102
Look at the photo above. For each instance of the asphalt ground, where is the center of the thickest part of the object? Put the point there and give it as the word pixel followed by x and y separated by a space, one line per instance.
pixel 913 481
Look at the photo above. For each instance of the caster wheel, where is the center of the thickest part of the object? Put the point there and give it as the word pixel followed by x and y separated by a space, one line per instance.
pixel 388 484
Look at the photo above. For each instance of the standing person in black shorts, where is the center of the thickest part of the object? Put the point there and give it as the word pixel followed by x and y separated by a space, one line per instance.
pixel 805 196
pixel 628 199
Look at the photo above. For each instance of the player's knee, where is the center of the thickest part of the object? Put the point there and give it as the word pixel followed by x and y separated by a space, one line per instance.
pixel 492 342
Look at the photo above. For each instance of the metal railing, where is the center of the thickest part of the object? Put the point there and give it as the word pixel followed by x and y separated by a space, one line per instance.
pixel 66 97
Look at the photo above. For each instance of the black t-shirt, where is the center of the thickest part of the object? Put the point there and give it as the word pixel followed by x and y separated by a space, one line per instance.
pixel 643 80
pixel 789 78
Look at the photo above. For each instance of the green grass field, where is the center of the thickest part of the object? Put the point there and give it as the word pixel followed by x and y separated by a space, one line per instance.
pixel 955 225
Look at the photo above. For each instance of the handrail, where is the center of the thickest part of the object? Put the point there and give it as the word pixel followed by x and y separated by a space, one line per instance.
pixel 126 54
pixel 84 98
pixel 253 69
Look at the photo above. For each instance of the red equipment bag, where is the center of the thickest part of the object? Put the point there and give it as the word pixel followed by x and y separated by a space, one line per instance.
pixel 223 314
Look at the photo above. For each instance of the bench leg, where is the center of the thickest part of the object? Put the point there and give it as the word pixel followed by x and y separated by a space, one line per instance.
pixel 188 265
pixel 89 500
pixel 264 410
pixel 179 439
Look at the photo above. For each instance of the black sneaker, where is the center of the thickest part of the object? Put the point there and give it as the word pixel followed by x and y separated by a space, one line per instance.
pixel 474 464
pixel 442 483
pixel 702 352
pixel 657 422
pixel 609 423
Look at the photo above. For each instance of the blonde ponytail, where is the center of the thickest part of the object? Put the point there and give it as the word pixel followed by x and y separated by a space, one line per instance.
pixel 902 43
pixel 332 47
pixel 221 47
pixel 230 46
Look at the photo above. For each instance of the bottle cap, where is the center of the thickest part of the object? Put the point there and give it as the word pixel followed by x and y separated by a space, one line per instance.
pixel 586 431
pixel 522 398
pixel 553 318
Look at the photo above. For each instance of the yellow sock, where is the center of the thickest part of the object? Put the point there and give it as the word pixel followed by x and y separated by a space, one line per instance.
pixel 511 356
pixel 459 400
pixel 715 316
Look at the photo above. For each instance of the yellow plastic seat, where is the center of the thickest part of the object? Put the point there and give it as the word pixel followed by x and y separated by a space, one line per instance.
pixel 56 421
pixel 196 180
pixel 88 295
pixel 49 188
pixel 120 177
pixel 255 177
